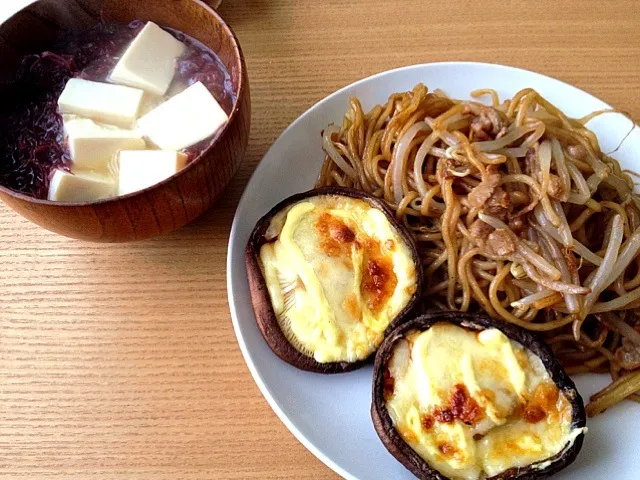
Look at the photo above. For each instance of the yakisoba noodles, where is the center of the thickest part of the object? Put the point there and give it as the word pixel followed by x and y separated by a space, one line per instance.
pixel 516 211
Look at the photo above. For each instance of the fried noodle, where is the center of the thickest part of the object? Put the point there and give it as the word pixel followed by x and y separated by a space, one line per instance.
pixel 516 211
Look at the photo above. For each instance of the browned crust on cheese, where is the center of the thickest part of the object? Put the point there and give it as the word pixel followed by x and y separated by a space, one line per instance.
pixel 403 452
pixel 264 313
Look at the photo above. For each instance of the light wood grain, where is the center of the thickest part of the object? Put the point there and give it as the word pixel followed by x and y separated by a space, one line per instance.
pixel 119 361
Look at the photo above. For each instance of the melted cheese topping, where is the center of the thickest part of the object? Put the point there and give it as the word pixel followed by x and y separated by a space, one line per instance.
pixel 338 273
pixel 474 404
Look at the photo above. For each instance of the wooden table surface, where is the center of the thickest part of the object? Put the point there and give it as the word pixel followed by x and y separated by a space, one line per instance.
pixel 119 361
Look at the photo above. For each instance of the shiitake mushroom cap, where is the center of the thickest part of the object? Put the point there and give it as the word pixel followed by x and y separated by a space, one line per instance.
pixel 403 452
pixel 262 307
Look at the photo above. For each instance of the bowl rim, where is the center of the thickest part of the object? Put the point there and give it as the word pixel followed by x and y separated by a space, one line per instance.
pixel 239 56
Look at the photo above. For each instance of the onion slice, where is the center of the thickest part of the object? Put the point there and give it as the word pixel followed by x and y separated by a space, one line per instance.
pixel 531 299
pixel 628 253
pixel 330 149
pixel 421 154
pixel 561 168
pixel 548 243
pixel 561 287
pixel 400 154
pixel 583 194
pixel 599 281
pixel 493 221
pixel 502 142
pixel 563 228
pixel 544 156
pixel 578 247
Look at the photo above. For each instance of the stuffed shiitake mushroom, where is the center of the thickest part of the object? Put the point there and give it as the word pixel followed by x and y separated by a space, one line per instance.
pixel 461 396
pixel 330 272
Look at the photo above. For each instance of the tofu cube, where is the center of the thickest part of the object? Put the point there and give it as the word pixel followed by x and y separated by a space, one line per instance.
pixel 93 146
pixel 185 119
pixel 139 169
pixel 102 102
pixel 85 187
pixel 150 61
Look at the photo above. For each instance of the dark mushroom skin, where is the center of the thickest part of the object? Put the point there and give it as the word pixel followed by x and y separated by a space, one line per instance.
pixel 416 464
pixel 262 307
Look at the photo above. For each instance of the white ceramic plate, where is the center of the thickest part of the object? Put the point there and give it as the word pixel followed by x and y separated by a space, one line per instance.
pixel 329 414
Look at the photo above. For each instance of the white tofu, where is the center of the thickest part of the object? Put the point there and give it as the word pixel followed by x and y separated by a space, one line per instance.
pixel 139 169
pixel 185 119
pixel 150 60
pixel 69 187
pixel 103 102
pixel 92 145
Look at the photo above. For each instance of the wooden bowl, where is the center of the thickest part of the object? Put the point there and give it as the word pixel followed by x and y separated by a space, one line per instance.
pixel 175 201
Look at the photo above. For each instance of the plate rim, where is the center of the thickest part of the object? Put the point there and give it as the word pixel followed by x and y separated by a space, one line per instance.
pixel 257 377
